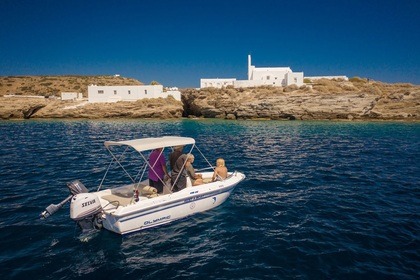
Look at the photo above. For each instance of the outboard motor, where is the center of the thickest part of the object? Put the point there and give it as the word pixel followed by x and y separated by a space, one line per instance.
pixel 85 207
pixel 75 187
pixel 86 211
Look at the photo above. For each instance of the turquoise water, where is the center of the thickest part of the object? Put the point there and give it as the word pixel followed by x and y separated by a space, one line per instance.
pixel 322 200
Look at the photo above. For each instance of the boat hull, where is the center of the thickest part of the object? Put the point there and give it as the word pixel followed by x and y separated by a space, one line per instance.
pixel 168 208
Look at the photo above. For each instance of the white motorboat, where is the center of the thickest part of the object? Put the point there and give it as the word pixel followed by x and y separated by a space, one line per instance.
pixel 135 206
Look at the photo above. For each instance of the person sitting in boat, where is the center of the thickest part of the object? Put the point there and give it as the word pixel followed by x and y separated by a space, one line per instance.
pixel 176 153
pixel 196 178
pixel 157 169
pixel 220 172
pixel 179 174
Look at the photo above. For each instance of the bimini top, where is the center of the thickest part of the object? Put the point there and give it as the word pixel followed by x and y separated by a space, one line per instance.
pixel 147 144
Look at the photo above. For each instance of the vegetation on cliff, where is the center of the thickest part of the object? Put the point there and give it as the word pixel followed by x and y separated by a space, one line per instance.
pixel 53 85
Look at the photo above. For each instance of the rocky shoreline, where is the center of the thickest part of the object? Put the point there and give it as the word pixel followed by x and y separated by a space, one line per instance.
pixel 28 108
pixel 325 100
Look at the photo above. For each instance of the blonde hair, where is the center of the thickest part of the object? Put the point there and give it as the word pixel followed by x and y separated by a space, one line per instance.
pixel 220 162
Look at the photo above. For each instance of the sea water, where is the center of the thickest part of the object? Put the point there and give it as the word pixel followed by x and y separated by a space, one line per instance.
pixel 321 200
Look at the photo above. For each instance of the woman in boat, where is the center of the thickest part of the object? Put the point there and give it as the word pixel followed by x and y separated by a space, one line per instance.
pixel 157 169
pixel 196 179
pixel 179 174
pixel 220 172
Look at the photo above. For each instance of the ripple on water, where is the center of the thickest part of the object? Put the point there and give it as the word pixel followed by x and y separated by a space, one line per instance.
pixel 321 200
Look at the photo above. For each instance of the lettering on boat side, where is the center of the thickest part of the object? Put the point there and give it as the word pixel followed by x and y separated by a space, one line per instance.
pixel 88 203
pixel 157 220
pixel 193 198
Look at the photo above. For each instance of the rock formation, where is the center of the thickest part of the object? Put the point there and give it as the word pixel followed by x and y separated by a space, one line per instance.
pixel 357 99
pixel 18 108
pixel 326 99
pixel 38 97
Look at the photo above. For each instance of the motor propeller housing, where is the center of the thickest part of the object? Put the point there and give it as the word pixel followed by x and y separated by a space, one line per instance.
pixel 86 210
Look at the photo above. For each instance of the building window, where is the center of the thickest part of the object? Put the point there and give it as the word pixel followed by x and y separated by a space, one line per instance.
pixel 129 92
pixel 100 92
pixel 145 91
pixel 295 80
pixel 268 77
pixel 115 92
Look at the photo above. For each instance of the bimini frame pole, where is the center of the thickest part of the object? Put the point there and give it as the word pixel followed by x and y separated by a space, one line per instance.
pixel 114 158
pixel 210 166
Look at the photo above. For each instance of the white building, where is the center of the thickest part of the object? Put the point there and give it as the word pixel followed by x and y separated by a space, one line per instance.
pixel 259 76
pixel 128 93
pixel 217 83
pixel 71 96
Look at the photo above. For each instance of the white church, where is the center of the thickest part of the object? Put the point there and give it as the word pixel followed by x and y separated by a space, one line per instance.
pixel 259 76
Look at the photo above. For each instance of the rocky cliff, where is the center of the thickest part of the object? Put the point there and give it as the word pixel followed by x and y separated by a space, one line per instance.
pixel 25 97
pixel 357 99
pixel 25 108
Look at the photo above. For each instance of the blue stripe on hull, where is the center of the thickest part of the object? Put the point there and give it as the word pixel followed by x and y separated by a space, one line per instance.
pixel 163 207
pixel 176 203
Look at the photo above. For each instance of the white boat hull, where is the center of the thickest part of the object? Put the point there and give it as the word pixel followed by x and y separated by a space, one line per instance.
pixel 152 212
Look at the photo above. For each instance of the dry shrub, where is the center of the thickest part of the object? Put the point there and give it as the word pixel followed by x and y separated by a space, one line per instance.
pixel 277 90
pixel 326 86
pixel 403 85
pixel 357 80
pixel 347 86
pixel 262 92
pixel 374 90
pixel 321 89
pixel 231 91
pixel 305 88
pixel 290 88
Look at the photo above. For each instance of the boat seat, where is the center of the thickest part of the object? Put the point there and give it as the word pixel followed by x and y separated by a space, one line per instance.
pixel 207 180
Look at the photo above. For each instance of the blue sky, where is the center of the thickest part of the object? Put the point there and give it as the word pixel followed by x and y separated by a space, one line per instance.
pixel 178 42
